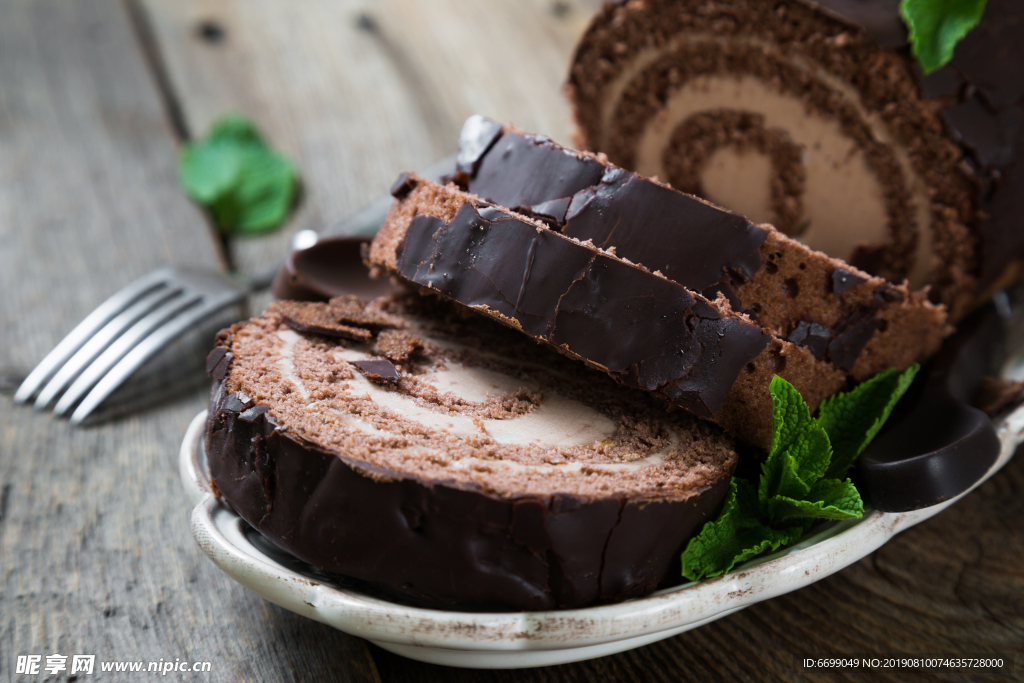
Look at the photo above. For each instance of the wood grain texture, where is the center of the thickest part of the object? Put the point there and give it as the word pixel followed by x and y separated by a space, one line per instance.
pixel 357 91
pixel 95 551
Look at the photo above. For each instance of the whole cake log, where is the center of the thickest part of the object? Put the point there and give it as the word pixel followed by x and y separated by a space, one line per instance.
pixel 812 116
pixel 505 478
pixel 642 329
pixel 859 323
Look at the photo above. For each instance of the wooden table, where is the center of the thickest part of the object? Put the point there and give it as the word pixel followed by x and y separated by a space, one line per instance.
pixel 96 96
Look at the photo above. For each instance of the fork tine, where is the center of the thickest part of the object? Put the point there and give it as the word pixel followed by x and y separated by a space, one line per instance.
pixel 99 317
pixel 101 340
pixel 121 346
pixel 146 348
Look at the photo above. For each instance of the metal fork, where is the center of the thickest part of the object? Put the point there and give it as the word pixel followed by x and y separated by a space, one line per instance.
pixel 124 332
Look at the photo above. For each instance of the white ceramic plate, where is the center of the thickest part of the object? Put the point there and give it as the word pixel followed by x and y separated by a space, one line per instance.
pixel 525 639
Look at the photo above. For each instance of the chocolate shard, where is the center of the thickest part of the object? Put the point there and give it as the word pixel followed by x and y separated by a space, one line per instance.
pixel 317 318
pixel 402 186
pixel 236 402
pixel 381 371
pixel 644 330
pixel 475 138
pixel 251 414
pixel 218 362
pixel 843 280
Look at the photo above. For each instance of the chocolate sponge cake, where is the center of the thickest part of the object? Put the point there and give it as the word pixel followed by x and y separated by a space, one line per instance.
pixel 813 116
pixel 859 323
pixel 451 460
pixel 641 328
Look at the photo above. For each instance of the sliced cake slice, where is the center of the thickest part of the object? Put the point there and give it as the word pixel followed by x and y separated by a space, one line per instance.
pixel 639 327
pixel 814 116
pixel 465 467
pixel 859 323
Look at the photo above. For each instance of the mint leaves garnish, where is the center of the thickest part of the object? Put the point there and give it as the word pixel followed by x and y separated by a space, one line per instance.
pixel 803 478
pixel 852 420
pixel 936 26
pixel 246 186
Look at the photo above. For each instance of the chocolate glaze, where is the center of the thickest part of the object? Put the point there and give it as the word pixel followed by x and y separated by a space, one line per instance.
pixel 983 87
pixel 644 330
pixel 697 244
pixel 937 446
pixel 453 547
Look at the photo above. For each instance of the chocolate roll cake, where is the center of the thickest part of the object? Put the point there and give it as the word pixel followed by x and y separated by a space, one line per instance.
pixel 451 460
pixel 641 328
pixel 859 323
pixel 813 117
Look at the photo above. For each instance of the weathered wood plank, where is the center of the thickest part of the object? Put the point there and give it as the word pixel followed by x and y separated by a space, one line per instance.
pixel 95 552
pixel 357 91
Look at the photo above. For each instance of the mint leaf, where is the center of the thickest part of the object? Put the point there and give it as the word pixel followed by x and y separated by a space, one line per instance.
pixel 936 26
pixel 800 450
pixel 246 186
pixel 852 420
pixel 827 499
pixel 735 536
pixel 802 478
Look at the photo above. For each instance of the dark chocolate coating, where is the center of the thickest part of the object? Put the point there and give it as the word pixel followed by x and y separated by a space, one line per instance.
pixel 695 243
pixel 645 330
pixel 454 547
pixel 940 445
pixel 985 83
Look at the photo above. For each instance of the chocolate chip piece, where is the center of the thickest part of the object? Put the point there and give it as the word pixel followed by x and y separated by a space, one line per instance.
pixel 843 280
pixel 402 186
pixel 814 336
pixel 380 371
pixel 845 348
pixel 251 414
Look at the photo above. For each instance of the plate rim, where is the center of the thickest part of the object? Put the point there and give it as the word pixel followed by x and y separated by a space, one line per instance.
pixel 828 551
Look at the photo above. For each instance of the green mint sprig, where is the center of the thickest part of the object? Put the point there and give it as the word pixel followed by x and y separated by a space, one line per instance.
pixel 246 186
pixel 803 478
pixel 936 26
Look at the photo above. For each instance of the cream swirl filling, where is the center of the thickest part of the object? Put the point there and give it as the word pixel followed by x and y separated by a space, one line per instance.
pixel 843 200
pixel 557 421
